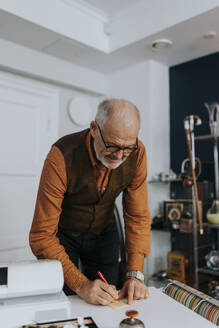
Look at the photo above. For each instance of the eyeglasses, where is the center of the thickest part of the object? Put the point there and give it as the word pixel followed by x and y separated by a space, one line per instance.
pixel 115 148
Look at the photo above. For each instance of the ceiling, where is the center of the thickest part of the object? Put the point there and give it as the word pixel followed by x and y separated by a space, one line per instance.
pixel 186 46
pixel 187 38
pixel 109 7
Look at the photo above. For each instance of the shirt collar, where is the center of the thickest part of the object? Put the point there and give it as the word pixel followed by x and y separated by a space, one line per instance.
pixel 89 145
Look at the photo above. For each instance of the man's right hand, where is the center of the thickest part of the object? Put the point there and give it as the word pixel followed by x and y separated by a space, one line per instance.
pixel 97 292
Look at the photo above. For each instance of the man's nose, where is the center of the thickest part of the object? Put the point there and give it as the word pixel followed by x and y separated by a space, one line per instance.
pixel 119 154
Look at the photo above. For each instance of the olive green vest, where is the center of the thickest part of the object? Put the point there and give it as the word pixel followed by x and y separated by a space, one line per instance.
pixel 84 209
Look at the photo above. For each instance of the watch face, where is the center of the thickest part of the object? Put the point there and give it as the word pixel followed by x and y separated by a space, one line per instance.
pixel 140 275
pixel 136 274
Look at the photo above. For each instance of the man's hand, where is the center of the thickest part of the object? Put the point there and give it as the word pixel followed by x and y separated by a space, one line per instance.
pixel 97 292
pixel 134 289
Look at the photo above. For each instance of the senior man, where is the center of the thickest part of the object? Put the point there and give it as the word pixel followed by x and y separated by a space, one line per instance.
pixel 83 174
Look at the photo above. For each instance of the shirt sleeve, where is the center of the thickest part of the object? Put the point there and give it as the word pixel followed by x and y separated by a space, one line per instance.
pixel 43 240
pixel 136 215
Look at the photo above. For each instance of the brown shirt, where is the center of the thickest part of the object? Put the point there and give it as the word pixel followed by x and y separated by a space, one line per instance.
pixel 53 184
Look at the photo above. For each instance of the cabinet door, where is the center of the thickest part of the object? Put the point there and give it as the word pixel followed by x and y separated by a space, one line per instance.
pixel 26 134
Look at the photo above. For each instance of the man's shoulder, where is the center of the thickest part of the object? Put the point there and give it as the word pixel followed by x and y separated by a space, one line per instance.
pixel 71 141
pixel 141 155
pixel 141 148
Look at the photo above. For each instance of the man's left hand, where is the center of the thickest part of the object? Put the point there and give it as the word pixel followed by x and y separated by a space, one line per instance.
pixel 134 289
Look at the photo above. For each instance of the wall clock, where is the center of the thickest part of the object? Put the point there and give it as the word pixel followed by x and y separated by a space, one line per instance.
pixel 80 111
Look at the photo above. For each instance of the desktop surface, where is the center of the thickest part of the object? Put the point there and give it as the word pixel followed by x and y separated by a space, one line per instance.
pixel 158 311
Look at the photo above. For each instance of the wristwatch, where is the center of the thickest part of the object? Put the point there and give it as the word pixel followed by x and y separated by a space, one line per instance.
pixel 135 274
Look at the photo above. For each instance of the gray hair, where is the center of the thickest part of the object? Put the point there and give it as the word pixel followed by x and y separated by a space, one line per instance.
pixel 104 111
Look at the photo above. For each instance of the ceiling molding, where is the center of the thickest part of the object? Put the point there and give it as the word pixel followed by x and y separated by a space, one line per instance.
pixel 88 9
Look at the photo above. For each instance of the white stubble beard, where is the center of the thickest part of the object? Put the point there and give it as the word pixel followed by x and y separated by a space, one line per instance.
pixel 105 163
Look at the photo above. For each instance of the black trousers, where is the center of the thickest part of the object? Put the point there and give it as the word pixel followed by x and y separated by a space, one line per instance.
pixel 95 252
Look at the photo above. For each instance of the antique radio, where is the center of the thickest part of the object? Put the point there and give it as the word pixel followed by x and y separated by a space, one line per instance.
pixel 177 266
pixel 173 215
pixel 177 209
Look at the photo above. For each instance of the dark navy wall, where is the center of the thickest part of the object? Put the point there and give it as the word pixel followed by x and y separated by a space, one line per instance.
pixel 191 85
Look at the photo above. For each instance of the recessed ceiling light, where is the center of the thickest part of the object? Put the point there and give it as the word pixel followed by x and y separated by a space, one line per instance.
pixel 162 44
pixel 209 35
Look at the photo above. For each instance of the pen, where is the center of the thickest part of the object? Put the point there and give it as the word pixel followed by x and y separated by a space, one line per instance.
pixel 102 277
pixel 104 280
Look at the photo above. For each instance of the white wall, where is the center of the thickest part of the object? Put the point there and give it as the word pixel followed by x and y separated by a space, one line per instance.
pixel 11 55
pixel 32 63
pixel 147 86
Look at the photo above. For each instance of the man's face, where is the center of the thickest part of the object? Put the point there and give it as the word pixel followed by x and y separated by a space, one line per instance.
pixel 109 140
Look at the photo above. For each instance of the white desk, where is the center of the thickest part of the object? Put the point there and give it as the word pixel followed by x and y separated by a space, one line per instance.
pixel 158 311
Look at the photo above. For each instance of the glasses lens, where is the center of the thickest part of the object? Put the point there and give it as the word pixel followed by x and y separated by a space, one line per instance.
pixel 111 149
pixel 126 151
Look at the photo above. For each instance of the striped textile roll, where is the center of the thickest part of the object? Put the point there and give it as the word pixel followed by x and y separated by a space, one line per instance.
pixel 195 300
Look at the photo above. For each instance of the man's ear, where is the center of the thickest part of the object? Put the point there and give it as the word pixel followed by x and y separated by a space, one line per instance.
pixel 93 128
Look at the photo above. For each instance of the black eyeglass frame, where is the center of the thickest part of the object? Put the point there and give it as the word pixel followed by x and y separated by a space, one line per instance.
pixel 125 150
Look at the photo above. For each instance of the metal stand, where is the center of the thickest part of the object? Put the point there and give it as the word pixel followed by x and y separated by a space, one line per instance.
pixel 195 228
pixel 195 242
pixel 216 166
pixel 213 111
pixel 216 173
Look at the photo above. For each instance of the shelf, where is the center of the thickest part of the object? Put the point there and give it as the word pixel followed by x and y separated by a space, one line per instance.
pixel 208 271
pixel 169 229
pixel 164 181
pixel 207 137
pixel 212 226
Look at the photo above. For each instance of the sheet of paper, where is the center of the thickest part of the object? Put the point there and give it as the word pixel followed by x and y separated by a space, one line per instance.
pixel 118 304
